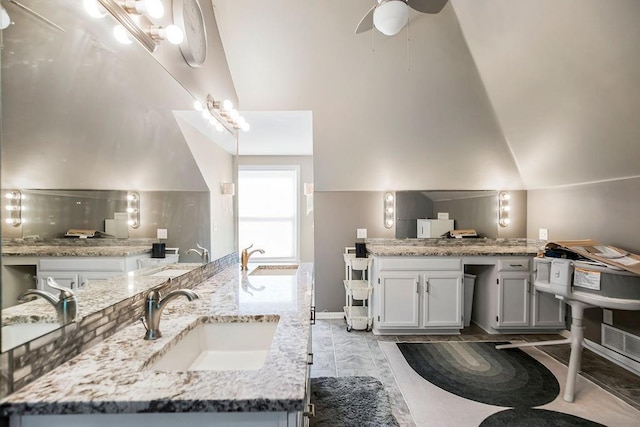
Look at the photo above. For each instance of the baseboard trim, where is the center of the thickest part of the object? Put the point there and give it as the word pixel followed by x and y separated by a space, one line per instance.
pixel 329 314
pixel 617 358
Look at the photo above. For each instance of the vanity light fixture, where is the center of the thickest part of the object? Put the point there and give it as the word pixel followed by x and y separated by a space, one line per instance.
pixel 133 209
pixel 503 208
pixel 135 17
pixel 226 114
pixel 14 207
pixel 228 188
pixel 389 209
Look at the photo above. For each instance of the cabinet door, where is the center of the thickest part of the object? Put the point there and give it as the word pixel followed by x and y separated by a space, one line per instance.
pixel 399 296
pixel 513 299
pixel 68 280
pixel 442 300
pixel 85 278
pixel 547 310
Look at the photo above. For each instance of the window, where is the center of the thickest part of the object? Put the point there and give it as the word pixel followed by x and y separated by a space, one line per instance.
pixel 268 211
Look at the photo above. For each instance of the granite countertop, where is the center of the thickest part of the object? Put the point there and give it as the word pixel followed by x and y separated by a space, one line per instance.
pixel 111 377
pixel 73 251
pixel 95 296
pixel 453 247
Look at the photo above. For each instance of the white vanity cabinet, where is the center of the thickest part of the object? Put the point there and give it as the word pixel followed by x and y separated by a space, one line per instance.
pixel 417 294
pixel 508 300
pixel 77 272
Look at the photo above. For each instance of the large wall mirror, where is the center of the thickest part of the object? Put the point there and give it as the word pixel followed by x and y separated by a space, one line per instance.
pixel 469 209
pixel 85 121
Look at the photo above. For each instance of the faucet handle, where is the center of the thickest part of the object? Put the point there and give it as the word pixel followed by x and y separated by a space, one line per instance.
pixel 246 249
pixel 64 292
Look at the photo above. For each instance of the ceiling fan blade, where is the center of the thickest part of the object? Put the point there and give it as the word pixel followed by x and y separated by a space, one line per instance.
pixel 366 23
pixel 427 6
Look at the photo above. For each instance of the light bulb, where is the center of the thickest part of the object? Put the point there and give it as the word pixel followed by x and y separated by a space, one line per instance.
pixel 131 197
pixel 131 222
pixel 9 221
pixel 506 208
pixel 151 8
pixel 219 127
pixel 9 207
pixel 505 196
pixel 206 114
pixel 121 34
pixel 9 195
pixel 5 21
pixel 390 210
pixel 234 114
pixel 197 105
pixel 389 222
pixel 245 127
pixel 174 34
pixel 227 105
pixel 389 197
pixel 390 17
pixel 94 9
pixel 240 121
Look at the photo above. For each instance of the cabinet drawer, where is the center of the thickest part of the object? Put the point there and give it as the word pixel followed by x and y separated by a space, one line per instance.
pixel 82 264
pixel 515 264
pixel 418 263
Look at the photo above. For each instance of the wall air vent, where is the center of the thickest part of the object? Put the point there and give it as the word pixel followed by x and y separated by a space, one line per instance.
pixel 621 342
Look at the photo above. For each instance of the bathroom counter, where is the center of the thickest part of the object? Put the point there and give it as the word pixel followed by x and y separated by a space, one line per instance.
pixel 73 251
pixel 453 247
pixel 110 378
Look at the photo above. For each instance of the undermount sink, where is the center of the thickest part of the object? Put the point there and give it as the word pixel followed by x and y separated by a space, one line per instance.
pixel 275 270
pixel 19 333
pixel 231 344
pixel 170 273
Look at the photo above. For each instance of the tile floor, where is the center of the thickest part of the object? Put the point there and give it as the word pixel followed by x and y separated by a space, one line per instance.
pixel 340 353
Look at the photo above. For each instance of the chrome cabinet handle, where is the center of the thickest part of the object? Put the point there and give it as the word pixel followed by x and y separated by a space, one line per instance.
pixel 310 359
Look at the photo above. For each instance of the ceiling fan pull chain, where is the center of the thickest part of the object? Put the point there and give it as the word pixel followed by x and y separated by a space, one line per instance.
pixel 373 41
pixel 408 50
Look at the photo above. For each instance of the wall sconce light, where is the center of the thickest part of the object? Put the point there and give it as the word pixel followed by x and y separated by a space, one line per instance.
pixel 14 206
pixel 308 188
pixel 225 113
pixel 128 13
pixel 133 209
pixel 228 188
pixel 389 209
pixel 503 208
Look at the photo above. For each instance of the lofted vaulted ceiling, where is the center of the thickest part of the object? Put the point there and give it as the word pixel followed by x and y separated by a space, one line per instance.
pixel 486 94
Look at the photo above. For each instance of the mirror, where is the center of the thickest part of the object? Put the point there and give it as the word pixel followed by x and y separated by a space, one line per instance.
pixel 85 120
pixel 470 209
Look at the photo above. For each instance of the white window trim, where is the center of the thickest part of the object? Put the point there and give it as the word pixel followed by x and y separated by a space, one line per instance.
pixel 296 168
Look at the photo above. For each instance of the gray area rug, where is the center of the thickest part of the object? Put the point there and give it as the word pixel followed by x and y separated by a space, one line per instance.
pixel 350 401
pixel 477 371
pixel 529 417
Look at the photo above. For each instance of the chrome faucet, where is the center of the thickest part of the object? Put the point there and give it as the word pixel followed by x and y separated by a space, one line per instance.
pixel 202 253
pixel 66 304
pixel 153 307
pixel 246 255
